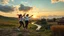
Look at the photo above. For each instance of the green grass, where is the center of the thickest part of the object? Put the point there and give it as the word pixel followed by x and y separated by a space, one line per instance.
pixel 8 23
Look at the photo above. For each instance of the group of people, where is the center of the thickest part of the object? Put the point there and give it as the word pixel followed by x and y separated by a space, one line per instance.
pixel 24 20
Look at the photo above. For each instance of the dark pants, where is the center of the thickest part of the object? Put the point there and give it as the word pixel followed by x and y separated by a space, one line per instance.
pixel 21 23
pixel 26 24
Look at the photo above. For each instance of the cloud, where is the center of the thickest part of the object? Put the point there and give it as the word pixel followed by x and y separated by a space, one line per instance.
pixel 5 1
pixel 55 1
pixel 6 8
pixel 24 8
pixel 14 8
pixel 23 2
pixel 12 0
pixel 61 0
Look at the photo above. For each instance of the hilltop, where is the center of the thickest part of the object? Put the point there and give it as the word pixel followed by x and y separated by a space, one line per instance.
pixel 8 27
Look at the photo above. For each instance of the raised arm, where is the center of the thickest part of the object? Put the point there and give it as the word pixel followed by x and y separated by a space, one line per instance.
pixel 30 16
pixel 24 14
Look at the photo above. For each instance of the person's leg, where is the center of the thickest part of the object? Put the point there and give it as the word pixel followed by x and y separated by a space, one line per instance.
pixel 20 24
pixel 26 25
pixel 23 25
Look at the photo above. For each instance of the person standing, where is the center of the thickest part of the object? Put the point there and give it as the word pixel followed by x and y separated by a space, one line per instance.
pixel 27 18
pixel 20 18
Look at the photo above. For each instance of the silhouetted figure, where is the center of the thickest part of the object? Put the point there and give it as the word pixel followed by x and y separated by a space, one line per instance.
pixel 27 18
pixel 21 19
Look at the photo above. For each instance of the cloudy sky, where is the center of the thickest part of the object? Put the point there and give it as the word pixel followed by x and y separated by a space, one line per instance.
pixel 35 7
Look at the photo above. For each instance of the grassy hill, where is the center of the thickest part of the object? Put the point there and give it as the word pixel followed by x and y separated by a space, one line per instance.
pixel 7 21
pixel 8 27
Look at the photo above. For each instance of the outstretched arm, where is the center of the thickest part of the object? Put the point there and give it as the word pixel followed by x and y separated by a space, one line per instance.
pixel 24 14
pixel 30 16
pixel 17 14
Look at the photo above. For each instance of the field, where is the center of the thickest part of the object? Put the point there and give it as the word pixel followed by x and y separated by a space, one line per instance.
pixel 8 27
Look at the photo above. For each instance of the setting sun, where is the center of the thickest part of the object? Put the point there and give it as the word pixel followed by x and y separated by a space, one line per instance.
pixel 34 16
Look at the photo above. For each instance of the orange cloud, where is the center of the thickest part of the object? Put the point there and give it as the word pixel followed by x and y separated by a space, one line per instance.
pixel 5 1
pixel 55 1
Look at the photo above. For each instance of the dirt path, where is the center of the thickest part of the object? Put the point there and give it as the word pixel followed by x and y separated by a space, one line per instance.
pixel 38 26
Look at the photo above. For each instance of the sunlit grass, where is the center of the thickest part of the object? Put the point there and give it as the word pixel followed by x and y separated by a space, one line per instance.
pixel 11 23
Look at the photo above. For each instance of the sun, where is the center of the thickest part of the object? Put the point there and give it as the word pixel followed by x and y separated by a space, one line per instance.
pixel 34 16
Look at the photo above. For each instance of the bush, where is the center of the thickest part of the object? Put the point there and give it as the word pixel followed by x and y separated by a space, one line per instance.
pixel 42 21
pixel 58 30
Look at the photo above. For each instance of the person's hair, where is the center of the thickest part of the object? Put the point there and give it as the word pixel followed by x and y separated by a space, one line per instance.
pixel 27 15
pixel 20 15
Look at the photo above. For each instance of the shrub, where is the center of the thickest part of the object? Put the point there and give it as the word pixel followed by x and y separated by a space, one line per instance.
pixel 57 30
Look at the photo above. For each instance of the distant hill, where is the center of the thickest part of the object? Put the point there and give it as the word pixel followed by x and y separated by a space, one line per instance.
pixel 7 18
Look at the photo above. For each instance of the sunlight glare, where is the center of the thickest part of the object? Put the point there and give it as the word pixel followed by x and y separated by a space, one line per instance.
pixel 34 16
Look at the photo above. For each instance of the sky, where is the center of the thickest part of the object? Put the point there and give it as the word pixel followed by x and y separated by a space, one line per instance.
pixel 33 7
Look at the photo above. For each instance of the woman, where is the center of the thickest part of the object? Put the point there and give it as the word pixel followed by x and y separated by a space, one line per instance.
pixel 20 17
pixel 27 18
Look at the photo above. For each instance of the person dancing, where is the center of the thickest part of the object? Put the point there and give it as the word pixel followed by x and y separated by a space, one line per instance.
pixel 27 18
pixel 21 20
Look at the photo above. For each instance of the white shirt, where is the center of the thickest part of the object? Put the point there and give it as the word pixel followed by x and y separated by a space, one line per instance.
pixel 27 18
pixel 21 19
